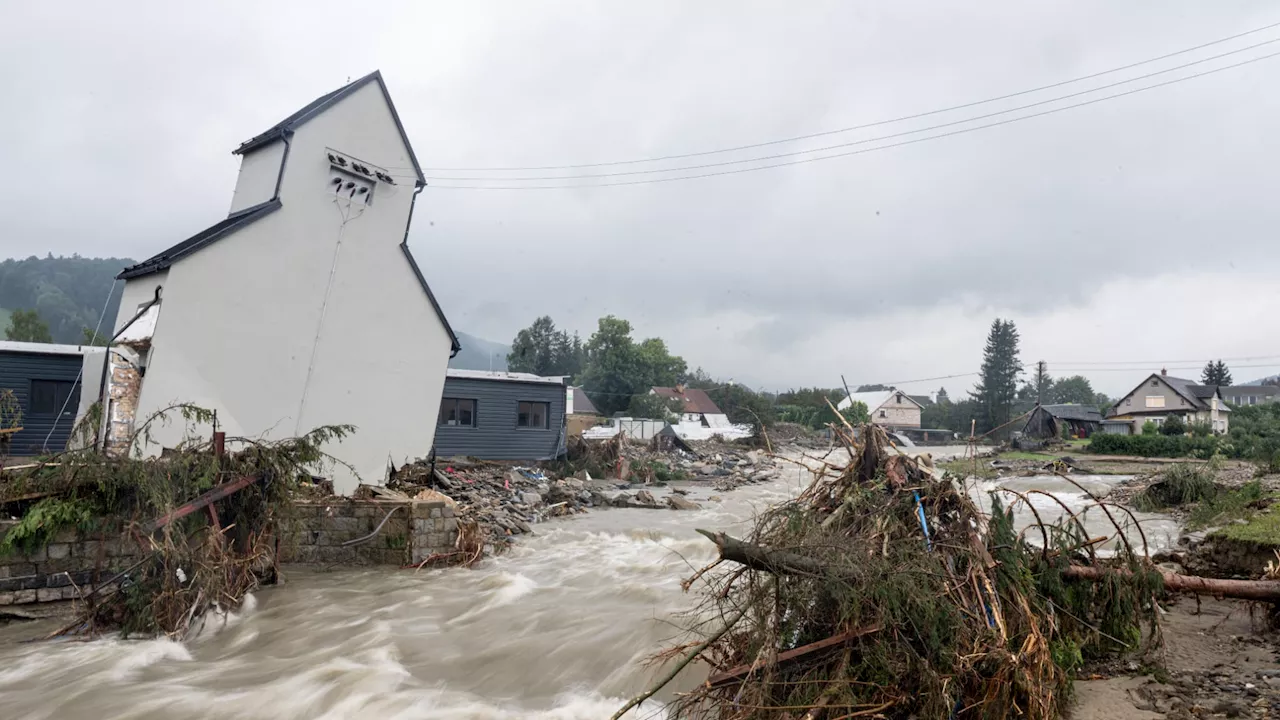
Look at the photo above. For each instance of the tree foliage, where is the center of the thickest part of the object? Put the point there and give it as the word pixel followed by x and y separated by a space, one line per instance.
pixel 1075 389
pixel 1215 373
pixel 998 385
pixel 943 397
pixel 808 406
pixel 541 349
pixel 655 407
pixel 26 326
pixel 618 368
pixel 68 293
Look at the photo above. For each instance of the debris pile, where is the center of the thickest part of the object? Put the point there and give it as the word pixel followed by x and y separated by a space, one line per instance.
pixel 884 591
pixel 505 500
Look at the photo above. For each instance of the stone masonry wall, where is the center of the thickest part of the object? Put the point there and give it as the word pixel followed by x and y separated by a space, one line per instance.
pixel 415 531
pixel 72 564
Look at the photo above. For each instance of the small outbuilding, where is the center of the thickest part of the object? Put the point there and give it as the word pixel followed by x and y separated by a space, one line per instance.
pixel 40 396
pixel 1051 421
pixel 501 416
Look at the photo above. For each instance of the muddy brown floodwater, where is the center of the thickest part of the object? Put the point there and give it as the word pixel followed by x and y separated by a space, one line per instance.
pixel 556 629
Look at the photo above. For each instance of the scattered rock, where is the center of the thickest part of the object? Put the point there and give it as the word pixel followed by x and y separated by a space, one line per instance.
pixel 677 502
pixel 644 497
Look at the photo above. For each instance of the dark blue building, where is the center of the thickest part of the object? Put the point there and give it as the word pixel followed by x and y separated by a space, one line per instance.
pixel 43 381
pixel 501 416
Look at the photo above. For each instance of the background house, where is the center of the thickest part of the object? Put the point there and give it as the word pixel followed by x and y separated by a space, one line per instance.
pixel 40 390
pixel 1250 394
pixel 304 307
pixel 582 412
pixel 501 416
pixel 891 408
pixel 1161 395
pixel 696 406
pixel 1056 421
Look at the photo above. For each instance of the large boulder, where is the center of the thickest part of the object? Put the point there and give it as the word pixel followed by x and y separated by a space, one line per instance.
pixel 679 502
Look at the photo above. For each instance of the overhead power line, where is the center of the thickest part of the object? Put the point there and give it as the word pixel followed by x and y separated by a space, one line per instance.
pixel 801 161
pixel 865 126
pixel 866 141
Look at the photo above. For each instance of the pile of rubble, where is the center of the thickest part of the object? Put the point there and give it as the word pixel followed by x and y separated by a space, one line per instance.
pixel 497 495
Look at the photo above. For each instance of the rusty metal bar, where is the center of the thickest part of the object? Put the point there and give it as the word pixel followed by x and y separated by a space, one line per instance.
pixel 205 501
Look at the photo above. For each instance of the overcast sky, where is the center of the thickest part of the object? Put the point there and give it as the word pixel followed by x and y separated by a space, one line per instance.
pixel 1138 229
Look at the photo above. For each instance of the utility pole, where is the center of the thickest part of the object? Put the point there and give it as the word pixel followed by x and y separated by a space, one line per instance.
pixel 1041 373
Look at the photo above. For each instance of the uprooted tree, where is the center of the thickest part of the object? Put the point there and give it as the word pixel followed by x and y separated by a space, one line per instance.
pixel 885 591
pixel 202 520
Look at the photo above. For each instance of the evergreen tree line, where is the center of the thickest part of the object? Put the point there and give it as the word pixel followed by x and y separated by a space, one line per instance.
pixel 58 299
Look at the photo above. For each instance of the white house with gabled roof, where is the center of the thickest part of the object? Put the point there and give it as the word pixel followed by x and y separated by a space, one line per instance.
pixel 304 306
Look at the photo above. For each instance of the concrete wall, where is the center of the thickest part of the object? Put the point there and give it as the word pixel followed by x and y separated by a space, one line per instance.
pixel 495 436
pixel 310 316
pixel 414 532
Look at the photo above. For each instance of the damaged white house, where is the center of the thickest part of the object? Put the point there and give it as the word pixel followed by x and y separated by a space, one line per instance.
pixel 304 306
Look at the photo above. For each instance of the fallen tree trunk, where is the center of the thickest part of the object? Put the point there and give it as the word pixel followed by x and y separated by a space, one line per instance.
pixel 756 557
pixel 1260 590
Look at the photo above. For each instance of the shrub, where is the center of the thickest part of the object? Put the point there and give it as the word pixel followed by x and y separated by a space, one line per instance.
pixel 1201 429
pixel 1173 425
pixel 1150 428
pixel 1172 446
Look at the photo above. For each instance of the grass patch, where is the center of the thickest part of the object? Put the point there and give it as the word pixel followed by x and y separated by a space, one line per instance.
pixel 1023 455
pixel 1228 506
pixel 1263 528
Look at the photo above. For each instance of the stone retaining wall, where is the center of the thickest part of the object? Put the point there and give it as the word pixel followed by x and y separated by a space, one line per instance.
pixel 413 532
pixel 72 564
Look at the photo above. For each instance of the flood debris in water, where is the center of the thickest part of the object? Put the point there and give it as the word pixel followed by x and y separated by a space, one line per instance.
pixel 883 590
pixel 182 536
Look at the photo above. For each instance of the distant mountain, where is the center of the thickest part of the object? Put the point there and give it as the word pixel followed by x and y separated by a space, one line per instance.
pixel 68 293
pixel 480 354
pixel 1269 380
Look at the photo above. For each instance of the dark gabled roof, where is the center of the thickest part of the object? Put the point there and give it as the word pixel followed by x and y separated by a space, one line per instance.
pixel 582 404
pixel 208 236
pixel 1071 411
pixel 922 400
pixel 322 103
pixel 1259 390
pixel 695 401
pixel 1194 394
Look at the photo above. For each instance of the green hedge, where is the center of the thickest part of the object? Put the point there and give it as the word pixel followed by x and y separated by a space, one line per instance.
pixel 1171 446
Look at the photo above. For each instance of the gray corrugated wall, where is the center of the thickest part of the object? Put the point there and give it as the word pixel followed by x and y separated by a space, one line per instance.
pixel 496 436
pixel 17 370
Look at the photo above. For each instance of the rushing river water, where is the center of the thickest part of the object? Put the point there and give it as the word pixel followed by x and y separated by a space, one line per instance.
pixel 557 629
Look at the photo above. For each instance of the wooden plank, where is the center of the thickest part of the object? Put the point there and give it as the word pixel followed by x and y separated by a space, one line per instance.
pixel 741 671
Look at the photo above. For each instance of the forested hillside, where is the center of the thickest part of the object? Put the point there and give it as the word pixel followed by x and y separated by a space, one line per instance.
pixel 67 292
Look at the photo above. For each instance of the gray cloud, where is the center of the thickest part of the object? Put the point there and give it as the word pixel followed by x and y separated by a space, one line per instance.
pixel 123 123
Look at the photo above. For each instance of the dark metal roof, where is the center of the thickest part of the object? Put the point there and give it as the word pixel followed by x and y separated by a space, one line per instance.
pixel 1071 411
pixel 322 103
pixel 695 401
pixel 208 236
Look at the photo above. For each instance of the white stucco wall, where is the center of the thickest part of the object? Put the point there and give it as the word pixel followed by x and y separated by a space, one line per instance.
pixel 256 182
pixel 899 413
pixel 241 317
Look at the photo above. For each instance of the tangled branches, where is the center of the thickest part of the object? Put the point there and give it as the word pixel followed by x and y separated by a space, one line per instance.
pixel 885 591
pixel 188 558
